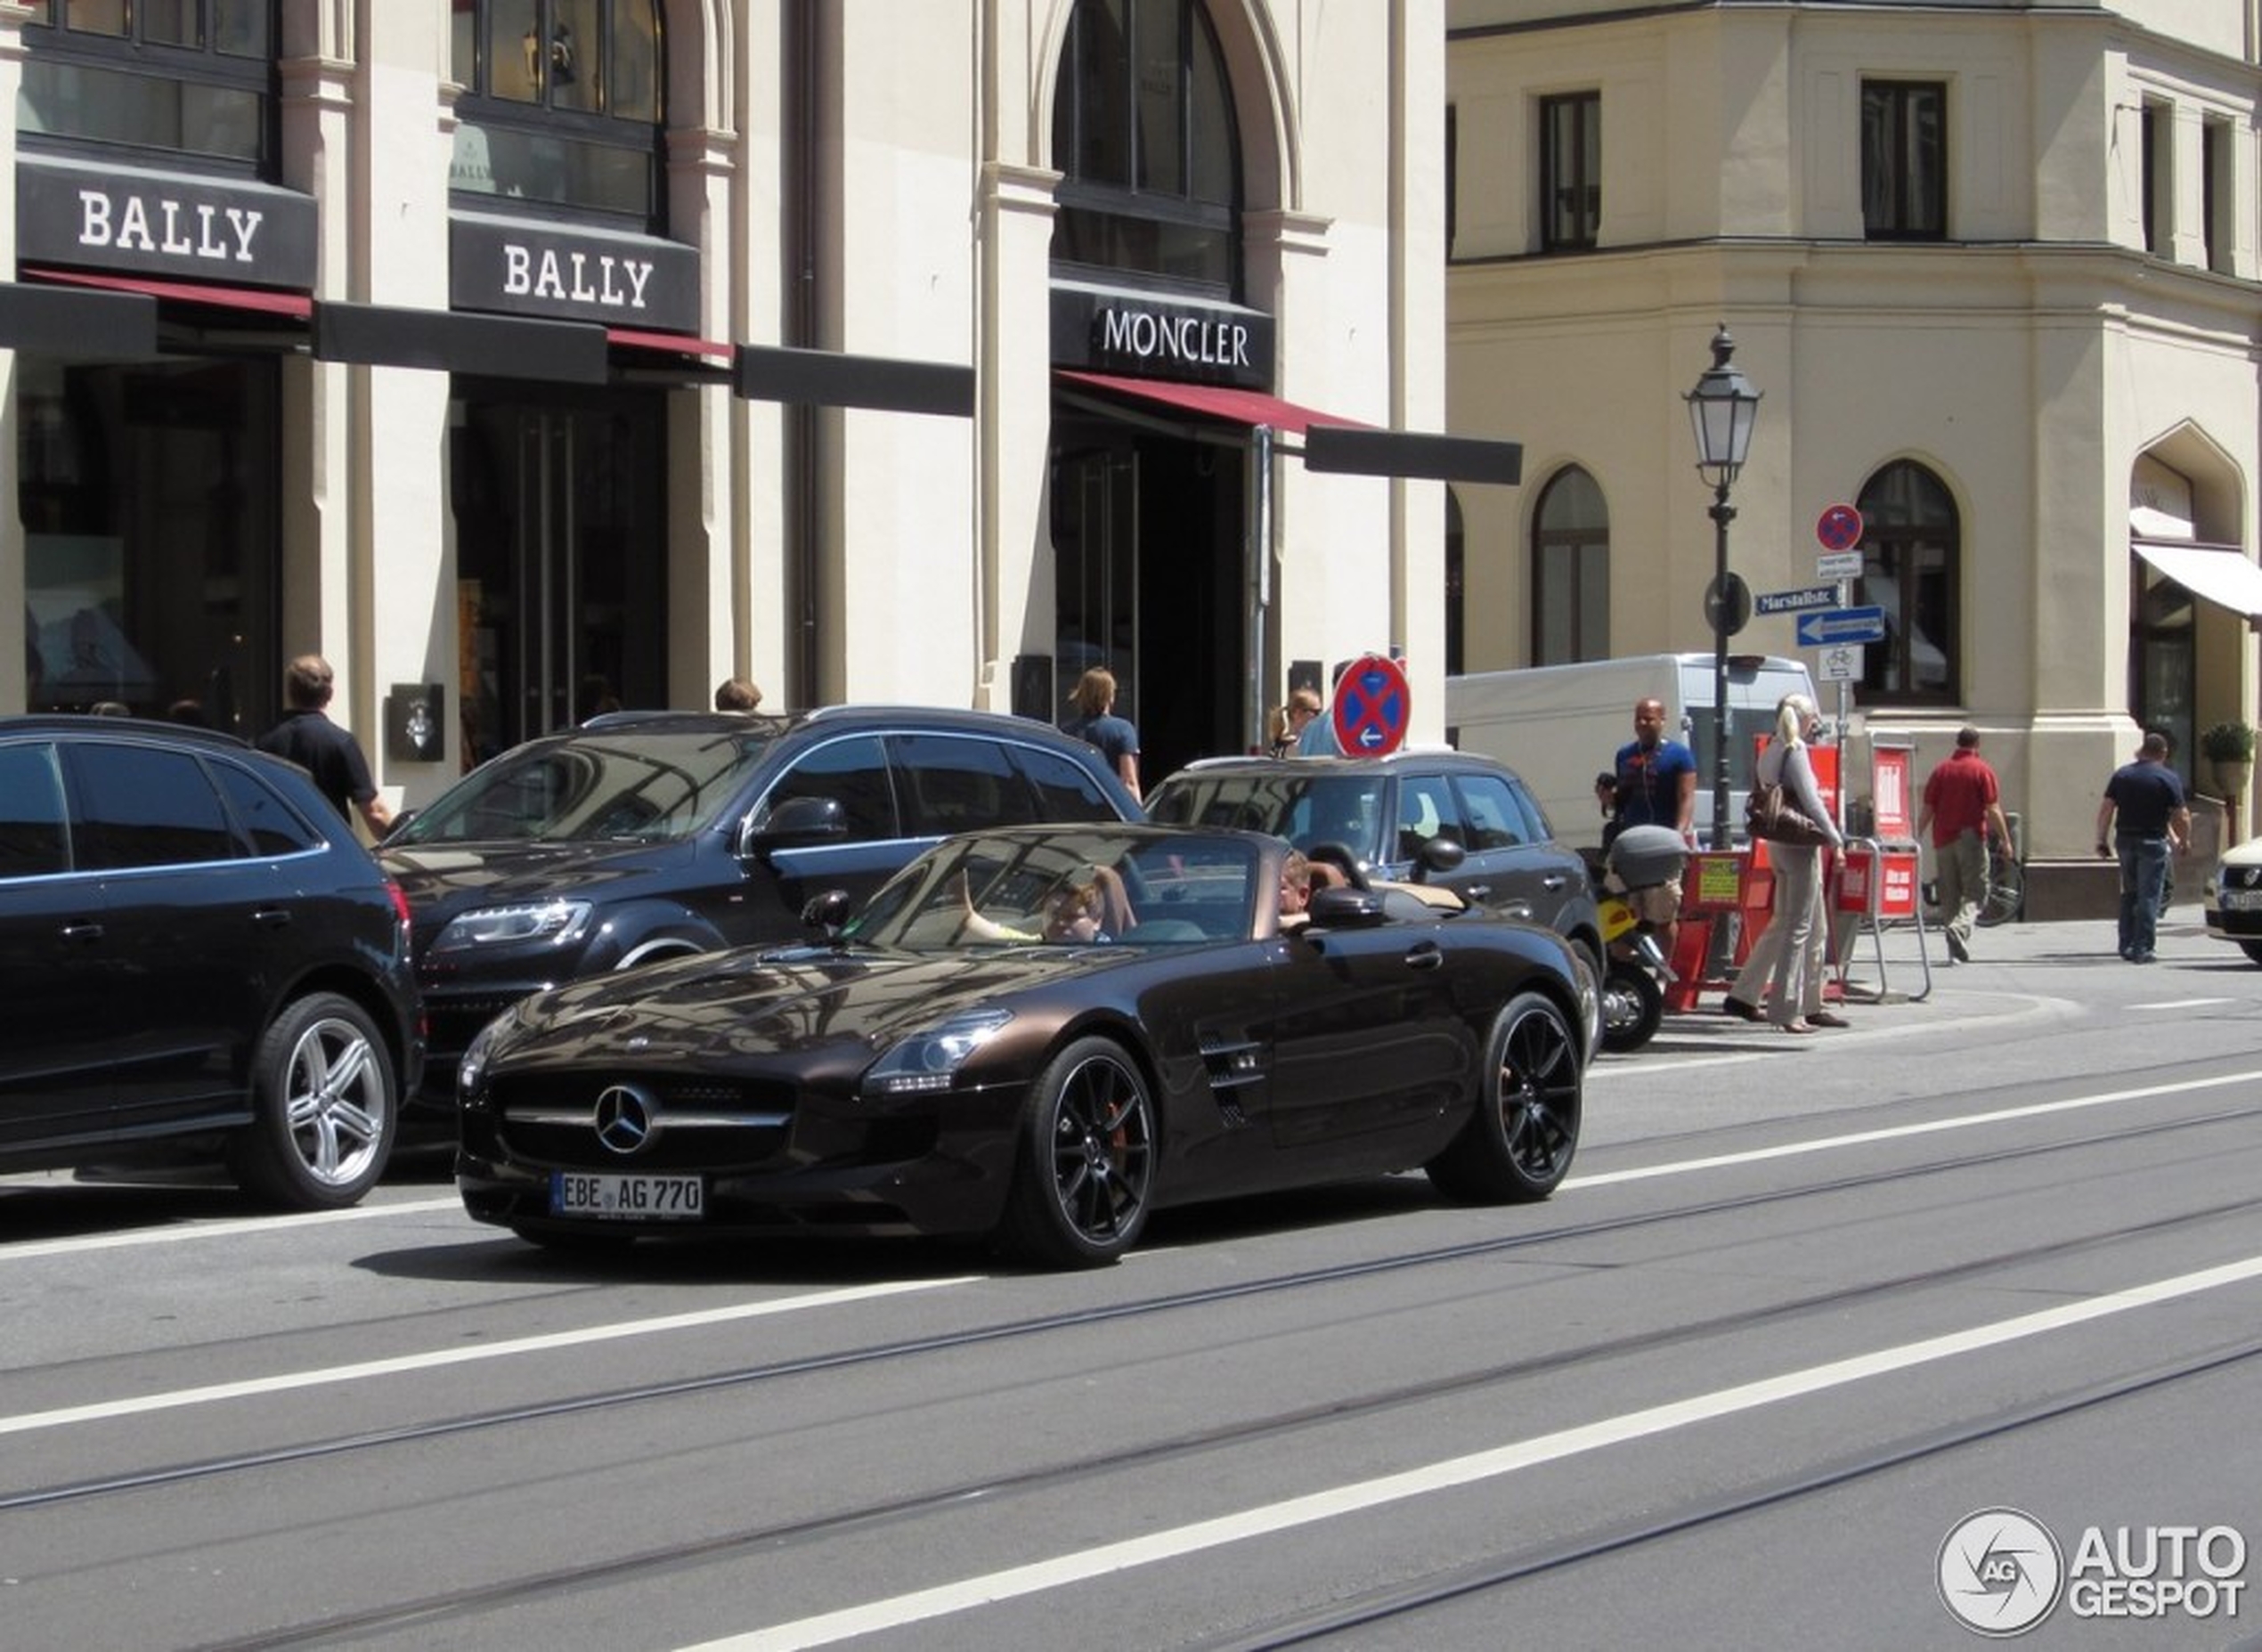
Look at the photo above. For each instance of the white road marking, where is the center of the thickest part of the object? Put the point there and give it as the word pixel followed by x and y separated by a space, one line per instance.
pixel 1890 1133
pixel 219 1230
pixel 1358 1496
pixel 180 1398
pixel 2185 1003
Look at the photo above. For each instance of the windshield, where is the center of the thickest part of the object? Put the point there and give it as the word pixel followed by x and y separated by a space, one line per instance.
pixel 1067 889
pixel 1307 809
pixel 640 786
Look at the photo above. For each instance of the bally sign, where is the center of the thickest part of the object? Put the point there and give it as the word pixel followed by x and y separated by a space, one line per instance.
pixel 1114 331
pixel 524 268
pixel 162 223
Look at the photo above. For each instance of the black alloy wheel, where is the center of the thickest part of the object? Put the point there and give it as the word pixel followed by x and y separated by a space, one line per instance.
pixel 1518 1144
pixel 1085 1175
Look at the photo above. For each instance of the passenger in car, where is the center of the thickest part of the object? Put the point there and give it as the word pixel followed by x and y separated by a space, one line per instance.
pixel 1296 876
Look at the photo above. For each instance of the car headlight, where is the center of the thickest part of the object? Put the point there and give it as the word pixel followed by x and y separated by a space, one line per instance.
pixel 471 1067
pixel 530 923
pixel 931 1060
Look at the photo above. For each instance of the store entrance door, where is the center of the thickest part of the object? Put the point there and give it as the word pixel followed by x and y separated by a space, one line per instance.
pixel 561 576
pixel 1147 581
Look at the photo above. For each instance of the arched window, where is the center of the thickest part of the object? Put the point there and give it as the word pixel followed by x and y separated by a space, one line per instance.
pixel 185 78
pixel 1143 133
pixel 1911 550
pixel 1571 572
pixel 562 104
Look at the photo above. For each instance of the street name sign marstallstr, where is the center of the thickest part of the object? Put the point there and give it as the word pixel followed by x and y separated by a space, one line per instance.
pixel 1819 631
pixel 1795 601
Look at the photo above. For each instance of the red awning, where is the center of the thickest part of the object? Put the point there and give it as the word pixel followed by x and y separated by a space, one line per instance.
pixel 1237 406
pixel 266 300
pixel 673 344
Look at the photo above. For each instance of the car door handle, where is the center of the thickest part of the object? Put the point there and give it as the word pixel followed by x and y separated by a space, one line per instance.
pixel 271 917
pixel 1553 882
pixel 1426 954
pixel 1476 893
pixel 82 931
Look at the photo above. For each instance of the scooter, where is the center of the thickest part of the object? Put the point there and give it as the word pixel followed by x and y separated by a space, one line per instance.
pixel 1637 891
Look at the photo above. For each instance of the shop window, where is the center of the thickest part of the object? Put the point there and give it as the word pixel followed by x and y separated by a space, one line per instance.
pixel 1145 135
pixel 171 76
pixel 1570 171
pixel 562 104
pixel 1571 572
pixel 1912 556
pixel 1904 160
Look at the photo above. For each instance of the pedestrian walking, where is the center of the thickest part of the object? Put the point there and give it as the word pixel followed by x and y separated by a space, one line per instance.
pixel 1963 808
pixel 324 750
pixel 2142 820
pixel 1094 720
pixel 1656 778
pixel 1785 963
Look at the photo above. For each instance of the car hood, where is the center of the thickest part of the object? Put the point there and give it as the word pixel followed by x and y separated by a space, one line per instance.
pixel 721 1009
pixel 442 880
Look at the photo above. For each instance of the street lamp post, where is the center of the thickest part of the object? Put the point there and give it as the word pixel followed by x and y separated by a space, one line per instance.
pixel 1722 408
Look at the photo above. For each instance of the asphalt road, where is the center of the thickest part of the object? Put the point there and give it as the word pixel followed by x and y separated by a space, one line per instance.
pixel 1805 1307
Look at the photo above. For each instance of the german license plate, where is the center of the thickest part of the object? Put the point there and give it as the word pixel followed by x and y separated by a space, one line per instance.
pixel 627 1197
pixel 2241 899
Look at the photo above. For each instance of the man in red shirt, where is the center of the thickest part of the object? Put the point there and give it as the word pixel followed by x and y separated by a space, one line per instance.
pixel 1963 806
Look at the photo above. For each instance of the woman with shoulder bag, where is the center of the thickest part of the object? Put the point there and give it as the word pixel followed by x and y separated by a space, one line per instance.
pixel 1786 963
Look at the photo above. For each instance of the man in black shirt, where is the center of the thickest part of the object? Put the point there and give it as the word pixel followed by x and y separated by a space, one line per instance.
pixel 307 738
pixel 2154 820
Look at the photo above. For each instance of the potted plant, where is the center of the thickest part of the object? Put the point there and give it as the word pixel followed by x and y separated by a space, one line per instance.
pixel 2230 747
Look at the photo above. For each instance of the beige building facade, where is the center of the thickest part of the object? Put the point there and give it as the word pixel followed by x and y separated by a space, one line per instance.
pixel 1994 268
pixel 529 356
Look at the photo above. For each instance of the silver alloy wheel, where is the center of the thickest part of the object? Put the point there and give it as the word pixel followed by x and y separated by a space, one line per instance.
pixel 336 1101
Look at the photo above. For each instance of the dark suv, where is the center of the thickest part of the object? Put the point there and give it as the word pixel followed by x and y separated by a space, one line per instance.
pixel 1388 811
pixel 643 835
pixel 197 961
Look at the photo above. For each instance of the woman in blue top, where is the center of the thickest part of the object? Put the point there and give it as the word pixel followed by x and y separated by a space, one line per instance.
pixel 1095 720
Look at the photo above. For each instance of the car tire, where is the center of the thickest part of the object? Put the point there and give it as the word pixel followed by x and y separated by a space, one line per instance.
pixel 326 1107
pixel 2253 950
pixel 1634 1005
pixel 1517 1145
pixel 1084 1175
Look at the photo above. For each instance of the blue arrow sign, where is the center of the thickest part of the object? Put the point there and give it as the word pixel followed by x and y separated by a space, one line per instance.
pixel 1796 601
pixel 1818 630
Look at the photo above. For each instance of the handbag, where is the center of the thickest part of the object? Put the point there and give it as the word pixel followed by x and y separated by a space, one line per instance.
pixel 1769 814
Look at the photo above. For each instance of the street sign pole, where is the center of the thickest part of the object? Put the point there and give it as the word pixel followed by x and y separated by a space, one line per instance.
pixel 1838 530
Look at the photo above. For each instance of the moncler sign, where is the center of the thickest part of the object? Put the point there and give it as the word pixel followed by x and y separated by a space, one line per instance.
pixel 174 224
pixel 1119 332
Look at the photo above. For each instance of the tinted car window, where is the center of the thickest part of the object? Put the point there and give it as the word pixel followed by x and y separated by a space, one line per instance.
pixel 853 772
pixel 136 806
pixel 1064 791
pixel 1497 818
pixel 639 784
pixel 32 841
pixel 273 825
pixel 1327 809
pixel 1425 808
pixel 956 784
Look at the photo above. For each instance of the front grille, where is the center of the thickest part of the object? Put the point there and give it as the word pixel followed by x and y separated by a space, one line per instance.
pixel 699 1122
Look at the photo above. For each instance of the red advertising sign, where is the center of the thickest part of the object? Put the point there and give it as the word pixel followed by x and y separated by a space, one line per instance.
pixel 1890 793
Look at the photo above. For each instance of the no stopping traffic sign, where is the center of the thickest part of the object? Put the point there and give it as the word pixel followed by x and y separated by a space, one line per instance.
pixel 1372 706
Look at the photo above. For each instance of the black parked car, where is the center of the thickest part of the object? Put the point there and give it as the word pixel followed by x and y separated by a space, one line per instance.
pixel 1452 818
pixel 197 961
pixel 1041 1035
pixel 645 835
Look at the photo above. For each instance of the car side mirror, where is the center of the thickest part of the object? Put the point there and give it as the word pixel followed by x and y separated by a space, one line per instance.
pixel 799 820
pixel 828 914
pixel 1345 909
pixel 1441 853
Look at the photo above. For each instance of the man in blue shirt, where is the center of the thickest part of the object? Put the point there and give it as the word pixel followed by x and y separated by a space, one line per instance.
pixel 2154 820
pixel 1657 776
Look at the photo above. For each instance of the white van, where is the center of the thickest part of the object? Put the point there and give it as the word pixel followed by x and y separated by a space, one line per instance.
pixel 1560 726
